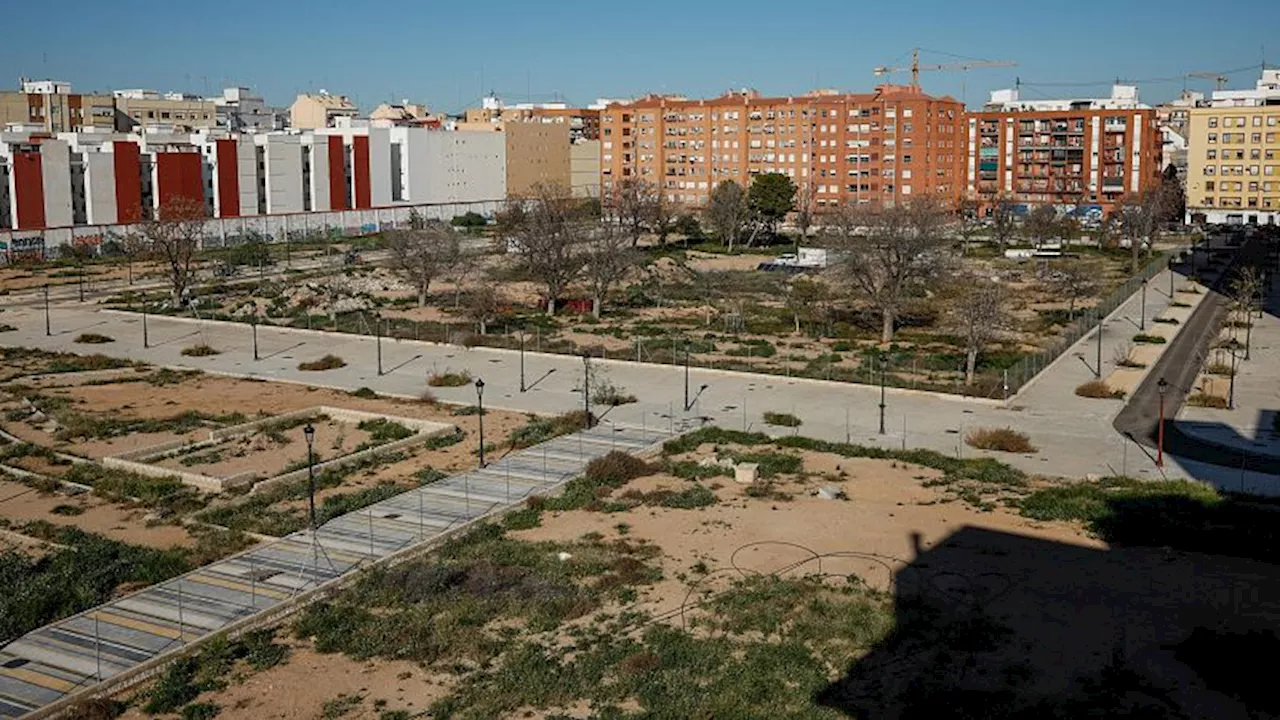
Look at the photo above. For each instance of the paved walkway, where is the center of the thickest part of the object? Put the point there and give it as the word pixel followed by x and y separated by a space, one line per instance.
pixel 57 660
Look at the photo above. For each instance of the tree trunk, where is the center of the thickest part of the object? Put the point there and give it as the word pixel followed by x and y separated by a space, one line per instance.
pixel 796 316
pixel 971 363
pixel 484 326
pixel 595 307
pixel 886 325
pixel 551 304
pixel 422 295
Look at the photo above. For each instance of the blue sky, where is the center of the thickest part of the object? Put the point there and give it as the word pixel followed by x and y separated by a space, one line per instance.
pixel 449 53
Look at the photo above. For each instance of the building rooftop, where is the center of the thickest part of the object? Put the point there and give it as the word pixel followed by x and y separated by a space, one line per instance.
pixel 1123 97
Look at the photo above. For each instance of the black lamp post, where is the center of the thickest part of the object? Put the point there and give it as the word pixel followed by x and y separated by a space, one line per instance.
pixel 1162 387
pixel 254 324
pixel 1097 370
pixel 377 334
pixel 480 415
pixel 48 329
pixel 686 375
pixel 309 433
pixel 1170 277
pixel 883 363
pixel 1231 385
pixel 146 337
pixel 522 387
pixel 586 391
pixel 1142 319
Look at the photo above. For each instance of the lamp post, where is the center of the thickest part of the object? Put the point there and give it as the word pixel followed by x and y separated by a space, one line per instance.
pixel 522 387
pixel 1170 277
pixel 47 327
pixel 1097 371
pixel 686 376
pixel 480 405
pixel 882 373
pixel 586 391
pixel 1142 319
pixel 309 433
pixel 1231 385
pixel 146 337
pixel 377 333
pixel 1162 387
pixel 254 324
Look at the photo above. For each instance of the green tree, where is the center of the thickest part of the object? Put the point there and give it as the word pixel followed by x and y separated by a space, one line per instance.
pixel 771 197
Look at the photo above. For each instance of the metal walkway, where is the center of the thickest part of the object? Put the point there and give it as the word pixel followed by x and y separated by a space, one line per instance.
pixel 73 654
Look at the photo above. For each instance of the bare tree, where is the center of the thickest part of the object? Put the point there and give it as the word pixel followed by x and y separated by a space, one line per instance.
pixel 483 305
pixel 804 208
pixel 967 212
pixel 727 212
pixel 174 236
pixel 666 214
pixel 807 301
pixel 1041 223
pixel 1073 280
pixel 635 203
pixel 978 315
pixel 459 268
pixel 550 237
pixel 422 252
pixel 1004 221
pixel 1139 216
pixel 607 259
pixel 887 254
pixel 1246 289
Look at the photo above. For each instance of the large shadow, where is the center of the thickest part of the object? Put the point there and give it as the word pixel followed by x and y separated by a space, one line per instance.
pixel 1177 618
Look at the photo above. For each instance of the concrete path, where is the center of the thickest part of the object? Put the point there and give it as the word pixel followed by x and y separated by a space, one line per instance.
pixel 58 660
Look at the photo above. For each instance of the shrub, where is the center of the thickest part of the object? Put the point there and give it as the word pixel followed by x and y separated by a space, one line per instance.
pixel 1219 368
pixel 1206 400
pixel 1150 339
pixel 200 711
pixel 616 469
pixel 364 393
pixel 6 327
pixel 94 339
pixel 328 362
pixel 68 510
pixel 539 430
pixel 449 379
pixel 1165 321
pixel 1099 389
pixel 1001 439
pixel 382 430
pixel 612 395
pixel 782 419
pixel 466 410
pixel 201 350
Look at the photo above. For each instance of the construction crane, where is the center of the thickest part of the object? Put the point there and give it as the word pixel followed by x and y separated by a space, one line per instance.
pixel 1219 80
pixel 916 68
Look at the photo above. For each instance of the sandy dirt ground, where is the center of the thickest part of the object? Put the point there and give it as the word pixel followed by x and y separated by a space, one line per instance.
pixel 265 457
pixel 21 504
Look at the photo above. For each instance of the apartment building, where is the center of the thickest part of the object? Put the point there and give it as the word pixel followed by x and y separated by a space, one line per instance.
pixel 140 110
pixel 1233 166
pixel 50 106
pixel 1078 154
pixel 239 110
pixel 884 147
pixel 582 123
pixel 320 110
pixel 584 168
pixel 536 153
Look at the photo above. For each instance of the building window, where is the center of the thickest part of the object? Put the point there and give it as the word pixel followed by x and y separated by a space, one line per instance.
pixel 1213 122
pixel 1211 154
pixel 1213 137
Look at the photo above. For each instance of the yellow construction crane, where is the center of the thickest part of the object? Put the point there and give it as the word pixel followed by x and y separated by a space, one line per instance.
pixel 916 67
pixel 1220 80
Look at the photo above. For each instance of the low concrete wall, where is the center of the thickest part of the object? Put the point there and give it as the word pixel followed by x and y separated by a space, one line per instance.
pixel 296 475
pixel 201 482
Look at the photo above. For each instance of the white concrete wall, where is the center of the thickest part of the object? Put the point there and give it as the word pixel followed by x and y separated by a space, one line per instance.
pixel 55 171
pixel 317 148
pixel 448 167
pixel 379 167
pixel 100 188
pixel 247 169
pixel 284 173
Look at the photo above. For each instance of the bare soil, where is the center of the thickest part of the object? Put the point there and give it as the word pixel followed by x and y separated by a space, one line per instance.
pixel 21 504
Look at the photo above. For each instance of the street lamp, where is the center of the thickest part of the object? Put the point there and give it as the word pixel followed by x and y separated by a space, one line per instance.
pixel 882 373
pixel 686 376
pixel 377 332
pixel 1231 386
pixel 480 406
pixel 146 338
pixel 47 327
pixel 309 433
pixel 522 387
pixel 1162 387
pixel 586 390
pixel 1142 319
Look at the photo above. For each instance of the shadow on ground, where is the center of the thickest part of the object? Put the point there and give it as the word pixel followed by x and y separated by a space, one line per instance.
pixel 1176 619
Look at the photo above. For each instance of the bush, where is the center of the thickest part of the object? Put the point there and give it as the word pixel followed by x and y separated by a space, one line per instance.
pixel 328 362
pixel 382 430
pixel 539 430
pixel 1165 321
pixel 1206 400
pixel 1219 368
pixel 782 419
pixel 1001 439
pixel 1099 389
pixel 1149 339
pixel 449 379
pixel 616 469
pixel 201 350
pixel 6 327
pixel 364 393
pixel 94 339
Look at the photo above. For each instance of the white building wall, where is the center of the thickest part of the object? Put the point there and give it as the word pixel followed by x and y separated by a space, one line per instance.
pixel 100 188
pixel 55 172
pixel 317 149
pixel 283 159
pixel 379 167
pixel 247 170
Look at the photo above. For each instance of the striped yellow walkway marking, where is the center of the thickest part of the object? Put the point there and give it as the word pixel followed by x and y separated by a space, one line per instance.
pixel 145 626
pixel 38 678
pixel 236 585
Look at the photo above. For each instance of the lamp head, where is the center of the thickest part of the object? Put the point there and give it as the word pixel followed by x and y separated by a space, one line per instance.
pixel 479 386
pixel 309 432
pixel 1162 386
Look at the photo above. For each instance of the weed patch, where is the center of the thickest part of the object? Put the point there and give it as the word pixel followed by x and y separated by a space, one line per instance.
pixel 449 379
pixel 782 419
pixel 1206 400
pixel 1000 439
pixel 328 362
pixel 201 350
pixel 1099 389
pixel 94 339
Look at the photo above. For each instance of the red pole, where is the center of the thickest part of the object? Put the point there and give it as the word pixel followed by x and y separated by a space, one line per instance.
pixel 1160 436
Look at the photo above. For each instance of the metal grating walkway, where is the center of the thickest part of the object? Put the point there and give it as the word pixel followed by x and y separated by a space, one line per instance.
pixel 78 652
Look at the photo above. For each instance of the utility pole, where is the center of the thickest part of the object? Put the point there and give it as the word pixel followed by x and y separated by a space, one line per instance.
pixel 1161 387
pixel 480 416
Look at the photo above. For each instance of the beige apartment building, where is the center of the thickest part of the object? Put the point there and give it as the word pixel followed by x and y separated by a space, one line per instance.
pixel 322 110
pixel 536 153
pixel 144 110
pixel 50 106
pixel 1233 156
pixel 584 168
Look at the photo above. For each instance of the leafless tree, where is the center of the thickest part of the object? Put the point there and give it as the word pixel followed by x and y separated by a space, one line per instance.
pixel 1041 223
pixel 727 212
pixel 807 301
pixel 1004 221
pixel 978 315
pixel 423 252
pixel 967 212
pixel 1138 216
pixel 550 237
pixel 459 268
pixel 607 258
pixel 174 236
pixel 1073 280
pixel 635 203
pixel 885 255
pixel 666 213
pixel 804 208
pixel 483 305
pixel 1246 289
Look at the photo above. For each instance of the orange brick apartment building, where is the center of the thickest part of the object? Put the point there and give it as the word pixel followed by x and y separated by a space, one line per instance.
pixel 885 146
pixel 1085 153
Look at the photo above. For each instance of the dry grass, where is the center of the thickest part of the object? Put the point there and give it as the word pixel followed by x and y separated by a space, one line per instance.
pixel 449 379
pixel 328 362
pixel 1000 439
pixel 201 350
pixel 94 339
pixel 1099 389
pixel 1206 400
